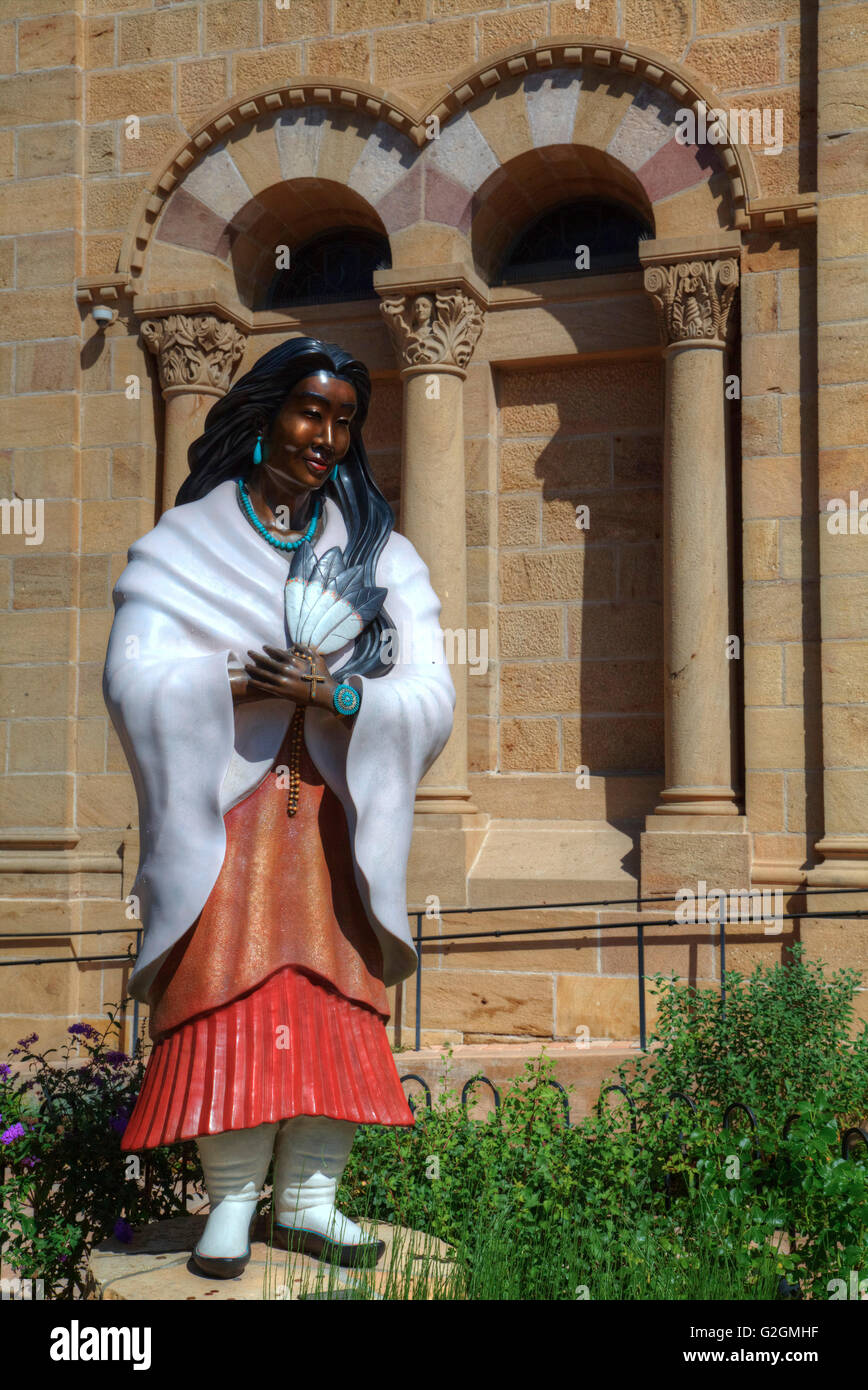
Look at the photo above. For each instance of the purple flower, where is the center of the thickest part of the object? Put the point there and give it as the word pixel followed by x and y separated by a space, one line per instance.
pixel 119 1123
pixel 123 1230
pixel 84 1030
pixel 5 1070
pixel 25 1042
pixel 30 1162
pixel 14 1132
pixel 116 1059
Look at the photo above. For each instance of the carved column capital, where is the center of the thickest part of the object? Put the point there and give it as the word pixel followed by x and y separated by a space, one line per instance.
pixel 194 352
pixel 434 328
pixel 694 299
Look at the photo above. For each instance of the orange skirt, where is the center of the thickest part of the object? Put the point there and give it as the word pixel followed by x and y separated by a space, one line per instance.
pixel 292 1047
pixel 289 1041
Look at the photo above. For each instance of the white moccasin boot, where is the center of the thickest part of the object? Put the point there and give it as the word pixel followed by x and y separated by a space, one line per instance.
pixel 235 1164
pixel 310 1156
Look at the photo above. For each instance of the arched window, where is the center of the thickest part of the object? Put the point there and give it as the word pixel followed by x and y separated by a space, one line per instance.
pixel 553 246
pixel 331 266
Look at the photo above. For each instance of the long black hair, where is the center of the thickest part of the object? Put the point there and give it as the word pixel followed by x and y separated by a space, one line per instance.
pixel 225 450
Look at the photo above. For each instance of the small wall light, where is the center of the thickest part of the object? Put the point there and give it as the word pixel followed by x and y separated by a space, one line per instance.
pixel 103 315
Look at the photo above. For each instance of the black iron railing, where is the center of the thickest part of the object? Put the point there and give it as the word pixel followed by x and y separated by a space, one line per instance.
pixel 638 904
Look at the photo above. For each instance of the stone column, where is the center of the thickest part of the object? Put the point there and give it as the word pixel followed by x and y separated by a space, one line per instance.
pixel 694 289
pixel 196 356
pixel 842 325
pixel 434 332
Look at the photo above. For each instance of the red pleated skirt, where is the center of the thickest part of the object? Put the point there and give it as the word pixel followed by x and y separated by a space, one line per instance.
pixel 294 1046
pixel 251 1025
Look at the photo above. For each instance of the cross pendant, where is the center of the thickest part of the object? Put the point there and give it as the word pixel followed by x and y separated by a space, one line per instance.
pixel 313 677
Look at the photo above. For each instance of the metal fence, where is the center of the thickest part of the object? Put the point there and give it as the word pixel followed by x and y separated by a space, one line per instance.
pixel 638 926
pixel 635 904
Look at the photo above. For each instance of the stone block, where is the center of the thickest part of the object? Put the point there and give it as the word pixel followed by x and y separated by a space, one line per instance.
pixel 774 738
pixel 845 416
pixel 805 802
pixel 498 32
pixel 528 632
pixel 140 91
pixel 529 745
pixel 49 259
pixel 760 426
pixel 39 745
pixel 202 86
pixel 160 35
pixel 583 464
pixel 761 552
pixel 518 521
pixel 763 675
pixel 102 253
pixel 341 57
pixel 52 41
pixel 110 204
pixel 845 671
pixel 842 290
pixel 734 61
pixel 616 630
pixel 776 612
pixel 758 303
pixel 99 42
pixel 583 400
pixel 45 96
pixel 36 691
pixel 51 203
pixel 94 591
pixel 44 581
pixel 109 526
pixel 528 577
pixel 845 796
pixel 845 606
pixel 42 313
pixel 537 687
pixel 35 799
pixel 680 859
pixel 231 24
pixel 106 801
pixel 842 352
pixel 846 234
pixel 618 516
pixel 509 1003
pixel 614 744
pixel 376 14
pixel 573 952
pixel 764 800
pixel 157 139
pixel 771 362
pixel 420 51
pixel 608 1006
pixel 45 150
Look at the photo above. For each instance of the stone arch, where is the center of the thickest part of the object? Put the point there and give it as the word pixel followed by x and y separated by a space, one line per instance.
pixel 352 133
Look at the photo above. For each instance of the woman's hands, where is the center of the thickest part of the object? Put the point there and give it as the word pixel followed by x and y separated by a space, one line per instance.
pixel 300 675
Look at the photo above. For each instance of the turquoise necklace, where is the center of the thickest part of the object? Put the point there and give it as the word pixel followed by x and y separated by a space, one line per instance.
pixel 247 508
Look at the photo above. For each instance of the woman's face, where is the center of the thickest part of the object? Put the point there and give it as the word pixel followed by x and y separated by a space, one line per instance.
pixel 311 432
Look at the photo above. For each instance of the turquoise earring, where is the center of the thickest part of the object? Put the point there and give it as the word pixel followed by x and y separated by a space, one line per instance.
pixel 257 452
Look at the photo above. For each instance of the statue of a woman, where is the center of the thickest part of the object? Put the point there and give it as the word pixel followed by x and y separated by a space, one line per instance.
pixel 276 751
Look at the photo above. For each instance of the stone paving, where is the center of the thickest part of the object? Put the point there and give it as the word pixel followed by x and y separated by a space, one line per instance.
pixel 157 1265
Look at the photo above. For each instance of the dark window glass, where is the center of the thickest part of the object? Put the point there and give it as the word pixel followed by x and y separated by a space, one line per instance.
pixel 332 266
pixel 549 248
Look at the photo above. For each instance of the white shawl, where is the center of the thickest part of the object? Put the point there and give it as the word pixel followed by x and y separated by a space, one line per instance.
pixel 199 591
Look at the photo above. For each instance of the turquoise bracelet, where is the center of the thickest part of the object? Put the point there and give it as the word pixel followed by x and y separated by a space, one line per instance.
pixel 346 699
